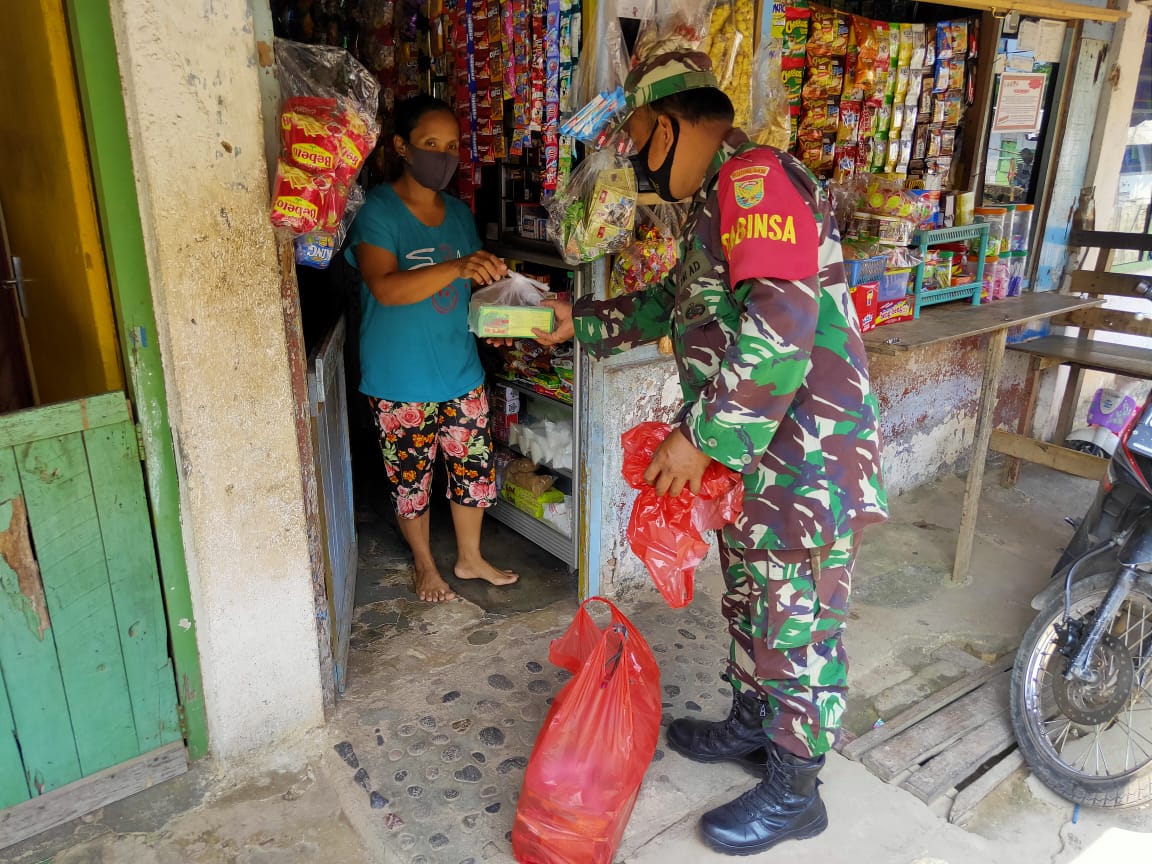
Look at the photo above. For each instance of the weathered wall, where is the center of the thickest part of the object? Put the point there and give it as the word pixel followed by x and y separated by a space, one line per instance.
pixel 191 90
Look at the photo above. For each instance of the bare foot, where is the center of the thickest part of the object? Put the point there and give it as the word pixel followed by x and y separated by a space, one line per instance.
pixel 481 569
pixel 430 586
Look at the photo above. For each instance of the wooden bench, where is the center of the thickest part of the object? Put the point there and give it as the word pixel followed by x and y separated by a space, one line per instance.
pixel 1080 353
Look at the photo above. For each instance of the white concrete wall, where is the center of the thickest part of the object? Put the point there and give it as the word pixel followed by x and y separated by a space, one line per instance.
pixel 190 76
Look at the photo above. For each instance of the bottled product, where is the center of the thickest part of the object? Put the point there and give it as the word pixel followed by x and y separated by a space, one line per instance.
pixel 994 216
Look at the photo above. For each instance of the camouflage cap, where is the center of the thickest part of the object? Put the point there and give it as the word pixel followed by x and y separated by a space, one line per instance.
pixel 665 74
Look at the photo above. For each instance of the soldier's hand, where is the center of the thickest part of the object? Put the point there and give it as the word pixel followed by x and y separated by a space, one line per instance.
pixel 676 464
pixel 563 330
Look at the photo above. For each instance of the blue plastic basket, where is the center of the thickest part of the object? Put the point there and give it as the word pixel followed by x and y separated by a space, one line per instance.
pixel 863 270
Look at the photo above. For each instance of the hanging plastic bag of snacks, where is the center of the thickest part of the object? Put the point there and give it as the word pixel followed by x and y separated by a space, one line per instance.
pixel 678 25
pixel 594 215
pixel 328 127
pixel 731 35
pixel 652 254
pixel 770 120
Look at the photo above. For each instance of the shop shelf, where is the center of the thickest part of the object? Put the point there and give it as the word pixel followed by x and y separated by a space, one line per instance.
pixel 540 533
pixel 528 390
pixel 532 251
pixel 515 451
pixel 970 291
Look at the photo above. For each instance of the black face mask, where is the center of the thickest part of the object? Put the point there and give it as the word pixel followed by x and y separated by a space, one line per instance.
pixel 660 178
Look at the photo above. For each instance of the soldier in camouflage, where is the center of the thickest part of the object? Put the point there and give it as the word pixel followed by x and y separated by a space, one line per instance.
pixel 775 385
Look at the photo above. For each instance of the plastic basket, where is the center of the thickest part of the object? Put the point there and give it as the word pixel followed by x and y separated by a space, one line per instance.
pixel 864 270
pixel 894 284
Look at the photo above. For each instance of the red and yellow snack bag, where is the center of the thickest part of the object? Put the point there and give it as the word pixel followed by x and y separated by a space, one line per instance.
pixel 298 198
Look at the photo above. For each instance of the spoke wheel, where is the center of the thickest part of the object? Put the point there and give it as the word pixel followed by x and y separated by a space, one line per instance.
pixel 1089 740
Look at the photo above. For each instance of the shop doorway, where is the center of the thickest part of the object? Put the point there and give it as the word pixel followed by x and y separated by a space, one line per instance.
pixel 89 711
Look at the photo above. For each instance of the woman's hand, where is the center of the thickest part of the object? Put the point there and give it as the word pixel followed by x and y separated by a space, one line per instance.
pixel 481 267
pixel 563 330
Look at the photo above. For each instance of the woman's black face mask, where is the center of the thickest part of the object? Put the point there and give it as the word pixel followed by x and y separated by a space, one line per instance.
pixel 660 178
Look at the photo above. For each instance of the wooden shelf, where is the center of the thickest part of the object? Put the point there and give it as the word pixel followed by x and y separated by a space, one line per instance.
pixel 947 323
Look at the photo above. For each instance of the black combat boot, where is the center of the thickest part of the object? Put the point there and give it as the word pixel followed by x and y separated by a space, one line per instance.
pixel 785 805
pixel 739 738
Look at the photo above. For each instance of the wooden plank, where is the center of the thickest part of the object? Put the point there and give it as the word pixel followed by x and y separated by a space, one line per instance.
pixel 129 553
pixel 924 708
pixel 970 797
pixel 28 651
pixel 951 321
pixel 1110 284
pixel 1049 455
pixel 1114 320
pixel 1070 401
pixel 1099 356
pixel 1110 239
pixel 1067 11
pixel 961 760
pixel 52 421
pixel 974 487
pixel 13 781
pixel 82 797
pixel 939 730
pixel 66 531
pixel 1027 417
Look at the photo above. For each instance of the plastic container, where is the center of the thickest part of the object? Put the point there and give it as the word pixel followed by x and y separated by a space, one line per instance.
pixel 1017 262
pixel 994 216
pixel 1021 227
pixel 943 273
pixel 894 284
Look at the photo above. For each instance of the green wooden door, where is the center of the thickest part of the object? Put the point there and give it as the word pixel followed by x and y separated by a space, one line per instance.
pixel 85 677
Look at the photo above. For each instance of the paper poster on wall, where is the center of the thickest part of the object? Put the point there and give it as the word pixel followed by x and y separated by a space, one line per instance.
pixel 1020 102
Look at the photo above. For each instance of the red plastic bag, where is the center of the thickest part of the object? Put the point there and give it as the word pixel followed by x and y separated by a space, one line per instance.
pixel 597 741
pixel 667 533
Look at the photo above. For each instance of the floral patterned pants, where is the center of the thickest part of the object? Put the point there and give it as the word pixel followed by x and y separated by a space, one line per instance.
pixel 411 435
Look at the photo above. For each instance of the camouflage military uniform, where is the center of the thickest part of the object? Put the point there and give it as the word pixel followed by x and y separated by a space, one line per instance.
pixel 773 373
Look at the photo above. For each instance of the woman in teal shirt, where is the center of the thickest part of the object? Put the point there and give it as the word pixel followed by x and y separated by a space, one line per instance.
pixel 419 255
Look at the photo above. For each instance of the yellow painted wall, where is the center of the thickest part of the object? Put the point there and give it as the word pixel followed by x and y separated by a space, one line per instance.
pixel 46 192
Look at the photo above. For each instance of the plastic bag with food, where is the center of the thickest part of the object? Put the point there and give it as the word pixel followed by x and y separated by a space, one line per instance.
pixel 510 309
pixel 678 25
pixel 771 122
pixel 328 127
pixel 594 215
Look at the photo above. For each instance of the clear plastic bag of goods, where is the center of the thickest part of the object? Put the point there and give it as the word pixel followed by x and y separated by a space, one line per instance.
pixel 677 25
pixel 652 253
pixel 317 247
pixel 595 214
pixel 510 309
pixel 328 128
pixel 771 122
pixel 729 43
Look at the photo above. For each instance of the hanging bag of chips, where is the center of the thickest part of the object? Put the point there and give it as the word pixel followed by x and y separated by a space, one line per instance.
pixel 328 127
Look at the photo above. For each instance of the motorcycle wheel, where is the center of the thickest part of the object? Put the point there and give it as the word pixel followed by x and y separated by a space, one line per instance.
pixel 1089 743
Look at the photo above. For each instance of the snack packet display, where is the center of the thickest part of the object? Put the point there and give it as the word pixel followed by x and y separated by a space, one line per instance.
pixel 595 214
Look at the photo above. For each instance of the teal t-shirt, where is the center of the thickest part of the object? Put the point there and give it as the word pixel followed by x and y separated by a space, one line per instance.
pixel 419 352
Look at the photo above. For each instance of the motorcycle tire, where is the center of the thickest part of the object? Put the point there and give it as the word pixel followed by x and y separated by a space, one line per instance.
pixel 1067 750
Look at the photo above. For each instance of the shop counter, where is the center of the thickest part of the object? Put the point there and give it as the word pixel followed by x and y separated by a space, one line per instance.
pixel 957 321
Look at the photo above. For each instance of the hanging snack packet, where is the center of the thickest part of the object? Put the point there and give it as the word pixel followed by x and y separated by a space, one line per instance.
pixel 595 213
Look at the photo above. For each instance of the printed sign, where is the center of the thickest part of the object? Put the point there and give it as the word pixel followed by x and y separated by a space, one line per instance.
pixel 1020 103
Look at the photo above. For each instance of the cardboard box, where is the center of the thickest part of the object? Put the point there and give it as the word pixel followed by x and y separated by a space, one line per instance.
pixel 895 311
pixel 866 299
pixel 510 322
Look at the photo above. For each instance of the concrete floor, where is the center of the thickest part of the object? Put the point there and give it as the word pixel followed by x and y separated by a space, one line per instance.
pixel 423 760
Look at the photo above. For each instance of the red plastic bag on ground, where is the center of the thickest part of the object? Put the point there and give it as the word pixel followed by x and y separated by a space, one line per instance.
pixel 596 743
pixel 667 533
